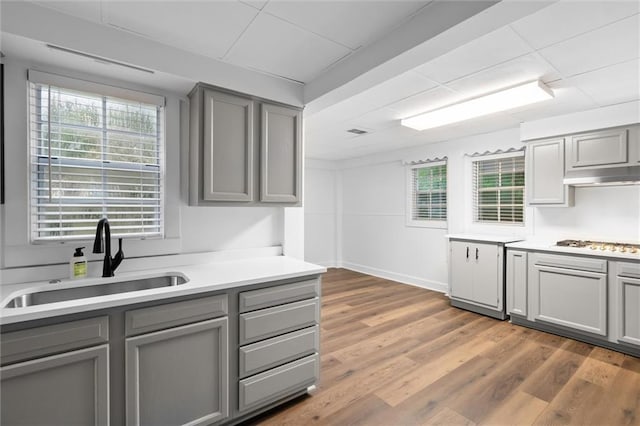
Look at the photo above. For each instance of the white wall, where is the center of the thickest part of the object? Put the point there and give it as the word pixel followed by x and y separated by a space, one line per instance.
pixel 188 229
pixel 371 212
pixel 320 212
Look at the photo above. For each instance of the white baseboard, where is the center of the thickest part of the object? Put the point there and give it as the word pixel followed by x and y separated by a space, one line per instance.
pixel 394 276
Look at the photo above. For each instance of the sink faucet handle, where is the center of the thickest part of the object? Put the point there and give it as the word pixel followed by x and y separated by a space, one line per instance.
pixel 119 257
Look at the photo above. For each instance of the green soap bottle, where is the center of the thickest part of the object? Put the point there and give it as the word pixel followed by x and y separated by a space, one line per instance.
pixel 78 265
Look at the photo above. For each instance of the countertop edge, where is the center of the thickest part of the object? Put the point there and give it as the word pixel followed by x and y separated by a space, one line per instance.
pixel 282 268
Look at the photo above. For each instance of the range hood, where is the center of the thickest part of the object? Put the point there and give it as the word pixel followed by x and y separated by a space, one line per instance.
pixel 628 175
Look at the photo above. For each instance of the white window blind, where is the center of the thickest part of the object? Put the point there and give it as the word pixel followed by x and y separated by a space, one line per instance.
pixel 94 155
pixel 498 189
pixel 428 193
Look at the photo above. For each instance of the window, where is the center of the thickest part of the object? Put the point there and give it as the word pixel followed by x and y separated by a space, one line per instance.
pixel 498 189
pixel 96 151
pixel 427 204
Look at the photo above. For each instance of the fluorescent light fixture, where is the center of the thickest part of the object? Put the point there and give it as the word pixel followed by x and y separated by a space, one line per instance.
pixel 100 59
pixel 513 97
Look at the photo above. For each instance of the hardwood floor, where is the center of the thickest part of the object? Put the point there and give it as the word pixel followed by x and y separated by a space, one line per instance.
pixel 394 354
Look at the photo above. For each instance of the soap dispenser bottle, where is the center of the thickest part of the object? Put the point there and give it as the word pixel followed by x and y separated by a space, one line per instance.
pixel 78 264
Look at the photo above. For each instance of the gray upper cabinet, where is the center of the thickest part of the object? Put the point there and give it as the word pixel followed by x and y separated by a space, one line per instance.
pixel 545 172
pixel 281 154
pixel 604 148
pixel 71 388
pixel 227 147
pixel 243 150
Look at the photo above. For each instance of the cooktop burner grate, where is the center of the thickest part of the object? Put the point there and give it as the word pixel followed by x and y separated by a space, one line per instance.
pixel 601 245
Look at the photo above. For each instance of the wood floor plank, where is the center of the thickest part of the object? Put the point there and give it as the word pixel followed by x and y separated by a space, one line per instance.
pixel 519 409
pixel 478 401
pixel 551 378
pixel 397 355
pixel 573 405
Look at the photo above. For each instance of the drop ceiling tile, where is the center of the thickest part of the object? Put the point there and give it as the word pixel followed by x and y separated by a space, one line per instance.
pixel 611 85
pixel 395 89
pixel 89 10
pixel 351 23
pixel 206 28
pixel 618 42
pixel 491 49
pixel 567 98
pixel 278 47
pixel 520 70
pixel 425 101
pixel 258 4
pixel 378 119
pixel 570 18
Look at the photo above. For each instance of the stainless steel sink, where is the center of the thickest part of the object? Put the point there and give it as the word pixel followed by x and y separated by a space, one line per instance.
pixel 73 293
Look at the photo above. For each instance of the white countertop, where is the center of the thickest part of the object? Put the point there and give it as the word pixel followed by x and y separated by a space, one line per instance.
pixel 550 246
pixel 201 278
pixel 482 237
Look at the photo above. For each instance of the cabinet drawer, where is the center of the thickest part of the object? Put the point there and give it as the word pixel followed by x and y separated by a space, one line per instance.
pixel 571 262
pixel 50 339
pixel 269 353
pixel 626 269
pixel 174 314
pixel 278 382
pixel 277 295
pixel 258 325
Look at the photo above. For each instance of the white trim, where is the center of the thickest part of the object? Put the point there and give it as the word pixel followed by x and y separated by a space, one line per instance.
pixel 401 278
pixel 40 77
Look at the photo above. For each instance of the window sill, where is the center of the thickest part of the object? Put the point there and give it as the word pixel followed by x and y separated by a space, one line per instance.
pixel 434 224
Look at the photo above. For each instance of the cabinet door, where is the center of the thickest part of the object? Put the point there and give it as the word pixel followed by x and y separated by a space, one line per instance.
pixel 545 172
pixel 281 154
pixel 487 288
pixel 71 388
pixel 517 282
pixel 227 147
pixel 461 270
pixel 587 291
pixel 598 149
pixel 178 376
pixel 629 308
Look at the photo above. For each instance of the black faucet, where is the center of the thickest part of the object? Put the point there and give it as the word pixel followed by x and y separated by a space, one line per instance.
pixel 110 264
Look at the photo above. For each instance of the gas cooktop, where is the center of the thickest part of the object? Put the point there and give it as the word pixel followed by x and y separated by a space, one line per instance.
pixel 601 245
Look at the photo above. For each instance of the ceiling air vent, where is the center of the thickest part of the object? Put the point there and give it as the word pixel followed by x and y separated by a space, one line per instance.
pixel 357 131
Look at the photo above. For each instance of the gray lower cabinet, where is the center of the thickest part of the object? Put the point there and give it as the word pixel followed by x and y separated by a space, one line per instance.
pixel 545 173
pixel 178 376
pixel 71 388
pixel 476 274
pixel 556 279
pixel 516 282
pixel 279 342
pixel 628 303
pixel 206 359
